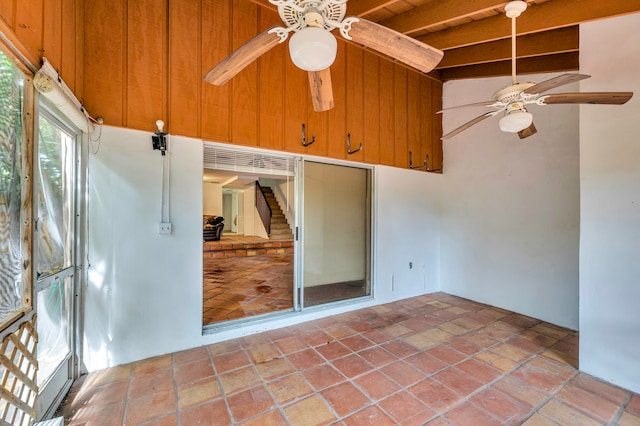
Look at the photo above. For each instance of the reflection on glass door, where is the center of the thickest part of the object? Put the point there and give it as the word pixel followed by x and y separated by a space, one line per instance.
pixel 336 233
pixel 54 259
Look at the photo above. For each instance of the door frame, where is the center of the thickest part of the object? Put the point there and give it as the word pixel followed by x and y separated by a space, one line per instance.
pixel 297 228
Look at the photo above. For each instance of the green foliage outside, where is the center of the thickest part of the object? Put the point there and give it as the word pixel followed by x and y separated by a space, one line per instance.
pixel 11 91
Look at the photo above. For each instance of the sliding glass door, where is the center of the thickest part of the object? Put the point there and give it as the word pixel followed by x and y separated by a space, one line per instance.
pixel 336 233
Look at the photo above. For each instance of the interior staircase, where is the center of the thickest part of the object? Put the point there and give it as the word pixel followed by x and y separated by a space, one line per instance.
pixel 280 229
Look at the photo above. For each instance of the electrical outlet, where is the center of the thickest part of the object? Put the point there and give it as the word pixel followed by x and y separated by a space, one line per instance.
pixel 164 228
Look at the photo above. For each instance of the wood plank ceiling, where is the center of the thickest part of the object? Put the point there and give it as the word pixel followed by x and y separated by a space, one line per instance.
pixel 475 34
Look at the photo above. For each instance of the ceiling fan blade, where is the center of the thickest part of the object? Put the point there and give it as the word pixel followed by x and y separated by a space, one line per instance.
pixel 321 90
pixel 485 103
pixel 396 45
pixel 529 131
pixel 552 83
pixel 241 57
pixel 607 98
pixel 468 124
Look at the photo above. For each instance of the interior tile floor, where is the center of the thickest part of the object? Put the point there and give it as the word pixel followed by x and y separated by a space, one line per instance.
pixel 239 287
pixel 434 359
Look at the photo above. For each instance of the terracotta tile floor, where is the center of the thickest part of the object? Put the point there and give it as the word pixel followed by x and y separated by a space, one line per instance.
pixel 434 359
pixel 239 287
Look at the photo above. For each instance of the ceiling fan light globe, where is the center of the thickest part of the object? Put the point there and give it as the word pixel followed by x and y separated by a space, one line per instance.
pixel 313 49
pixel 515 121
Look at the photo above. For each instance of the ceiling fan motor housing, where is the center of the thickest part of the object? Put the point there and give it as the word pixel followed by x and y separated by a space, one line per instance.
pixel 511 93
pixel 294 12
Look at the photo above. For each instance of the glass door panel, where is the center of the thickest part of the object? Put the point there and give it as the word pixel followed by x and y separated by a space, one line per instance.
pixel 55 198
pixel 55 268
pixel 54 308
pixel 336 233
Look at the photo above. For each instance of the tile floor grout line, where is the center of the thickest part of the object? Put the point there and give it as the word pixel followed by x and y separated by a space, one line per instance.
pixel 126 400
pixel 552 395
pixel 219 381
pixel 314 392
pixel 622 409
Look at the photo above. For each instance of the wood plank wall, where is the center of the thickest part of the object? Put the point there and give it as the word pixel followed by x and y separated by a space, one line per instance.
pixel 48 28
pixel 144 60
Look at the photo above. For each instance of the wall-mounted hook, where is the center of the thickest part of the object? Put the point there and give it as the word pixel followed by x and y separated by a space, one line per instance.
pixel 349 145
pixel 426 163
pixel 304 137
pixel 411 166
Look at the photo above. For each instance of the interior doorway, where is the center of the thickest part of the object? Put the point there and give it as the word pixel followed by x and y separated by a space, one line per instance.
pixel 230 210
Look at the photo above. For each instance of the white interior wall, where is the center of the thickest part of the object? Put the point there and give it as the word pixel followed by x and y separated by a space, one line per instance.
pixel 242 217
pixel 610 204
pixel 144 295
pixel 510 227
pixel 212 198
pixel 250 217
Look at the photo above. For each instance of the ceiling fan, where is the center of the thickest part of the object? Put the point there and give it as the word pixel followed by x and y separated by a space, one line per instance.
pixel 512 99
pixel 312 46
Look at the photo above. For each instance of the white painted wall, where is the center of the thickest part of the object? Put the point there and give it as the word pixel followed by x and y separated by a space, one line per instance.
pixel 144 289
pixel 510 227
pixel 610 204
pixel 408 224
pixel 144 293
pixel 212 198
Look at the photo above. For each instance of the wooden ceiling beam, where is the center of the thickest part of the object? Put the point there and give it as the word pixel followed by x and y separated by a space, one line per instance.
pixel 562 40
pixel 265 4
pixel 364 7
pixel 543 64
pixel 440 12
pixel 546 16
pixel 354 8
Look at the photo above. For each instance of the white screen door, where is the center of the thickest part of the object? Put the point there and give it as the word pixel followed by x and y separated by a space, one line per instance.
pixel 54 258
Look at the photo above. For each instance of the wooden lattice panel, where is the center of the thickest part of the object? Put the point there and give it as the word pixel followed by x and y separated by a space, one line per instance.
pixel 18 367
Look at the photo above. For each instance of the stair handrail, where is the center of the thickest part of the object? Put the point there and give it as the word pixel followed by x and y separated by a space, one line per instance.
pixel 263 207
